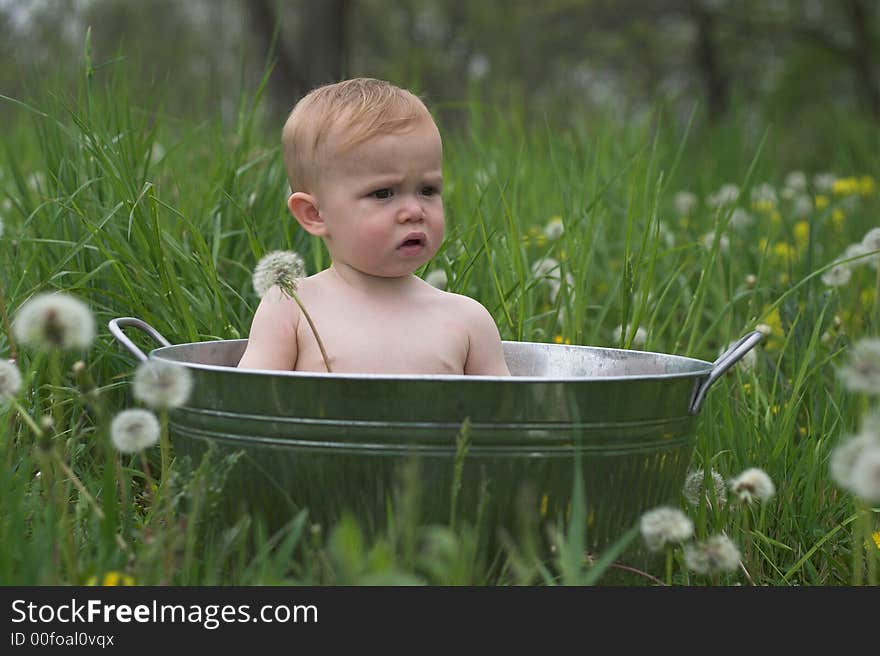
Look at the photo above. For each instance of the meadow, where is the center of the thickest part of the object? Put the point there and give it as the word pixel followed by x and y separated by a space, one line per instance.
pixel 684 235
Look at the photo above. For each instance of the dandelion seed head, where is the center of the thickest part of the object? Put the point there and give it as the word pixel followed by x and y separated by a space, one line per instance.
pixel 823 182
pixel 10 381
pixel 796 181
pixel 764 193
pixel 437 278
pixel 278 268
pixel 871 240
pixel 802 206
pixel 865 475
pixel 685 203
pixel 554 228
pixel 134 430
pixel 862 371
pixel 162 384
pixel 726 194
pixel 740 219
pixel 753 484
pixel 665 525
pixel 693 489
pixel 837 276
pixel 846 454
pixel 54 320
pixel 715 555
pixel 855 250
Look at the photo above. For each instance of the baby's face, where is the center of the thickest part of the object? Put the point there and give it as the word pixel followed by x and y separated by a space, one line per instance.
pixel 380 202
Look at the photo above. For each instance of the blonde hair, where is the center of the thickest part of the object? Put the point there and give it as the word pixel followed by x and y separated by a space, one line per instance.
pixel 353 110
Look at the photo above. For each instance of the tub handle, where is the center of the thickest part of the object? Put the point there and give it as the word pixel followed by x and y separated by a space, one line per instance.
pixel 116 326
pixel 727 359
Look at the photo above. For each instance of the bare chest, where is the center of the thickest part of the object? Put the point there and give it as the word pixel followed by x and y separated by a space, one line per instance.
pixel 402 341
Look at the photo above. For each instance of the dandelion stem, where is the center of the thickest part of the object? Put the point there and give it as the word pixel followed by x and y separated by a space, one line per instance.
pixel 74 479
pixel 669 564
pixel 858 546
pixel 305 312
pixel 6 326
pixel 866 544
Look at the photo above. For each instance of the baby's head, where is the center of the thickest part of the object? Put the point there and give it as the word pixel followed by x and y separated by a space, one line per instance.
pixel 333 118
pixel 364 161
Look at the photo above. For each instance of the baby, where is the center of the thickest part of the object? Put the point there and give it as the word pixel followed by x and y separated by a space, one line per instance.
pixel 364 161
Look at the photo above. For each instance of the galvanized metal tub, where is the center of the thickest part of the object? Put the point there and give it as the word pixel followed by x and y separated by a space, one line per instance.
pixel 336 442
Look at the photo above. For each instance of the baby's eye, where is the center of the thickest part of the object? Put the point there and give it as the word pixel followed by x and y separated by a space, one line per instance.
pixel 381 194
pixel 430 191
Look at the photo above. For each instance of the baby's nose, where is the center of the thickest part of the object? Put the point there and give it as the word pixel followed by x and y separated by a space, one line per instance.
pixel 411 209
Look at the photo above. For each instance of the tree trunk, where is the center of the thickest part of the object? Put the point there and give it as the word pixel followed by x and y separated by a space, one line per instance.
pixel 863 54
pixel 708 63
pixel 326 45
pixel 320 50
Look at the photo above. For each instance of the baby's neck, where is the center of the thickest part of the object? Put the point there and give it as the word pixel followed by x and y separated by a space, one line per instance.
pixel 376 286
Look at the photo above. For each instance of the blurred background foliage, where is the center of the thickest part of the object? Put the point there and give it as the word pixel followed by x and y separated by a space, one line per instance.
pixel 800 66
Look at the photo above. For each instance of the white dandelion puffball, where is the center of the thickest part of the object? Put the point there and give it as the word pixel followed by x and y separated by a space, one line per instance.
pixel 862 372
pixel 823 182
pixel 796 180
pixel 693 488
pixel 837 276
pixel 764 193
pixel 845 456
pixel 802 206
pixel 871 242
pixel 717 554
pixel 864 478
pixel 685 203
pixel 10 381
pixel 281 268
pixel 54 320
pixel 554 228
pixel 753 484
pixel 161 384
pixel 728 193
pixel 134 430
pixel 740 219
pixel 662 526
pixel 857 249
pixel 437 278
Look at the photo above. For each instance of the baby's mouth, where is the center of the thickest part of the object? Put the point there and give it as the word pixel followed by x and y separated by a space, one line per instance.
pixel 413 240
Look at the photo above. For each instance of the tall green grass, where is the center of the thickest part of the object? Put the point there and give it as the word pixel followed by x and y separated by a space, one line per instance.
pixel 143 214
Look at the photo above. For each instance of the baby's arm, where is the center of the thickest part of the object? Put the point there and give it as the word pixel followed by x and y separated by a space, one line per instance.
pixel 485 353
pixel 272 340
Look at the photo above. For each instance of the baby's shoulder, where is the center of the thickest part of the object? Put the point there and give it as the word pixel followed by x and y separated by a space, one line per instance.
pixel 466 307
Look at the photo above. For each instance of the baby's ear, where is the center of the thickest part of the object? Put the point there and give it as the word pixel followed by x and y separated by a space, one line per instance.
pixel 304 208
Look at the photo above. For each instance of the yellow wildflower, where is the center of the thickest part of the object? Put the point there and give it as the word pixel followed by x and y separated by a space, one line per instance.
pixel 821 202
pixel 783 250
pixel 559 340
pixel 837 217
pixel 545 501
pixel 111 579
pixel 866 185
pixel 802 233
pixel 845 186
pixel 876 537
pixel 763 205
